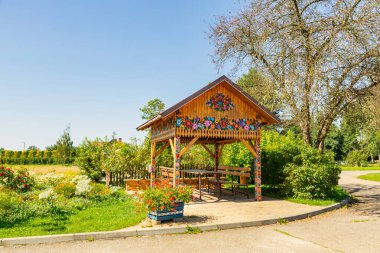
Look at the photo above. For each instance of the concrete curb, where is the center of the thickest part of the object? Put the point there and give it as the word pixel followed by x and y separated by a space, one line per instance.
pixel 47 239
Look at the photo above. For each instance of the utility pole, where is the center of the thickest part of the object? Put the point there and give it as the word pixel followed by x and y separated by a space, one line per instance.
pixel 24 145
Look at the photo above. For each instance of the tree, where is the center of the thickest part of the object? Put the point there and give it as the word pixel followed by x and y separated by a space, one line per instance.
pixel 321 55
pixel 64 147
pixel 32 148
pixel 91 157
pixel 261 88
pixel 152 109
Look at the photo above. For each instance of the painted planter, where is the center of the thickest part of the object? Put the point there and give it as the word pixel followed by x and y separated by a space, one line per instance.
pixel 168 214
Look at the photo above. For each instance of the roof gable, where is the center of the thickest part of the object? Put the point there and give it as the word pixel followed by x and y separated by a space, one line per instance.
pixel 268 116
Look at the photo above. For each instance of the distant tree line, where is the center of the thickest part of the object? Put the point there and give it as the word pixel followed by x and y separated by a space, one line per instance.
pixel 62 152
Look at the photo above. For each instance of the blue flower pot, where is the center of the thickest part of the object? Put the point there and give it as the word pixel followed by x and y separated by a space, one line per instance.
pixel 168 214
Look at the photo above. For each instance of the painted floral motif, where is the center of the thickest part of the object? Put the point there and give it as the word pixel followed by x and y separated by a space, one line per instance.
pixel 218 124
pixel 165 126
pixel 220 102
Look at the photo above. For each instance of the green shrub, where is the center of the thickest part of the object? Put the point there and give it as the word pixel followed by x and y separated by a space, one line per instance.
pixel 19 180
pixel 356 158
pixel 49 180
pixel 277 150
pixel 12 208
pixel 99 192
pixel 312 175
pixel 66 189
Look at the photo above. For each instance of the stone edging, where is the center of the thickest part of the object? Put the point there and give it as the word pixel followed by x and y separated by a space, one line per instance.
pixel 47 239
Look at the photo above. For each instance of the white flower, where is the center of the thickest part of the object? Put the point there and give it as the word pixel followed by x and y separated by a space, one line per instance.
pixel 114 188
pixel 83 187
pixel 78 178
pixel 46 194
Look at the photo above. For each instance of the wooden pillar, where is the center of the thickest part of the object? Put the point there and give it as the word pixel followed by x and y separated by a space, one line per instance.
pixel 177 159
pixel 216 160
pixel 258 168
pixel 216 156
pixel 152 166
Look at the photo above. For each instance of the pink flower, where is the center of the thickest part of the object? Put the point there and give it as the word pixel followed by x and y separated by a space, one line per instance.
pixel 195 126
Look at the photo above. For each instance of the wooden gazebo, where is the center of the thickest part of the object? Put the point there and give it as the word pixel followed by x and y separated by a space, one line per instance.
pixel 218 114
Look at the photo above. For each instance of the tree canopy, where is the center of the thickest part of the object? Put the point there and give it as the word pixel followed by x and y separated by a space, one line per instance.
pixel 320 56
pixel 152 109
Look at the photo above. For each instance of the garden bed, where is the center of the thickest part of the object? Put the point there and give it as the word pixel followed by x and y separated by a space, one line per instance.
pixel 48 204
pixel 102 217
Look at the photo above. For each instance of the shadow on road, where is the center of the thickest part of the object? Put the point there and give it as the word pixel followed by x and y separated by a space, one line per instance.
pixel 367 199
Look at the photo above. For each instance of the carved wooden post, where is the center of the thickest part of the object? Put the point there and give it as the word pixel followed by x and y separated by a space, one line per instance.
pixel 258 168
pixel 177 159
pixel 216 160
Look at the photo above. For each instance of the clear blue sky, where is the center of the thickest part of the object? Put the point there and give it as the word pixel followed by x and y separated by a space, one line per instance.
pixel 93 64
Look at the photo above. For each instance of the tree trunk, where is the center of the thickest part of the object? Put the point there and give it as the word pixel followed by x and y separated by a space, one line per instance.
pixel 305 127
pixel 323 131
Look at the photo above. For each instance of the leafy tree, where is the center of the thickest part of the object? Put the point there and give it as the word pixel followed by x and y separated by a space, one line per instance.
pixel 64 147
pixel 335 141
pixel 319 55
pixel 261 88
pixel 90 157
pixel 32 148
pixel 152 109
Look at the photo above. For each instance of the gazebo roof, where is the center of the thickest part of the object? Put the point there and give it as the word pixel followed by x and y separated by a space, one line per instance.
pixel 269 117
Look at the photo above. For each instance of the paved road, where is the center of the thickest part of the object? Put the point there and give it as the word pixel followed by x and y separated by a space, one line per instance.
pixel 352 229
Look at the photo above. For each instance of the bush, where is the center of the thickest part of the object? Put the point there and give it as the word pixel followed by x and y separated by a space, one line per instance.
pixel 66 189
pixel 99 192
pixel 19 180
pixel 312 175
pixel 313 181
pixel 356 158
pixel 50 180
pixel 12 208
pixel 277 150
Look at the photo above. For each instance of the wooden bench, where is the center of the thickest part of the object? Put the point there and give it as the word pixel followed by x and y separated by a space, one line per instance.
pixel 166 172
pixel 232 172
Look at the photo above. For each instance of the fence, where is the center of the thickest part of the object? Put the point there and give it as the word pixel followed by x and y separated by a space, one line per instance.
pixel 118 178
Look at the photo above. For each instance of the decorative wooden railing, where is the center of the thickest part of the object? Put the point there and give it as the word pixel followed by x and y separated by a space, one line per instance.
pixel 220 134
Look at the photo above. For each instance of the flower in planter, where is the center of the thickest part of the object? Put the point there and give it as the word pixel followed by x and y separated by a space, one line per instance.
pixel 162 196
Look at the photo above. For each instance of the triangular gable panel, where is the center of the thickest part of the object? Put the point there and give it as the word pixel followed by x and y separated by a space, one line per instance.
pixel 221 99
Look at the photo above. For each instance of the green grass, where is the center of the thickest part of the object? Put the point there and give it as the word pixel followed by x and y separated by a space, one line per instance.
pixel 193 230
pixel 371 177
pixel 338 196
pixel 358 221
pixel 101 217
pixel 312 202
pixel 369 167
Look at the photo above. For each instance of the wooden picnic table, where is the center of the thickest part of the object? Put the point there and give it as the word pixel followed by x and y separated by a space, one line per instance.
pixel 200 173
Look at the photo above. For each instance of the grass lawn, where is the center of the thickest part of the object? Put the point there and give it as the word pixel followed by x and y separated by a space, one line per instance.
pixel 67 170
pixel 102 217
pixel 369 167
pixel 371 177
pixel 339 195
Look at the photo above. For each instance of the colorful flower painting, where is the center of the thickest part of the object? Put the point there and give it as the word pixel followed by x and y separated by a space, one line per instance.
pixel 220 102
pixel 218 124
